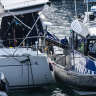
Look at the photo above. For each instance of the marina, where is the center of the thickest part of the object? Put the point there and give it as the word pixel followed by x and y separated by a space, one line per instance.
pixel 76 66
pixel 38 42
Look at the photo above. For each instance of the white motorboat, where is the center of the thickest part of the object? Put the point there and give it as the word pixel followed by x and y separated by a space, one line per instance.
pixel 22 58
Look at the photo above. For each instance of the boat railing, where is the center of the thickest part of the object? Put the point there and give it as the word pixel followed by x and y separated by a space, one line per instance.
pixel 38 45
pixel 59 59
pixel 26 37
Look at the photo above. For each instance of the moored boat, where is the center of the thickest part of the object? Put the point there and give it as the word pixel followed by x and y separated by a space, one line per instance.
pixel 22 41
pixel 78 69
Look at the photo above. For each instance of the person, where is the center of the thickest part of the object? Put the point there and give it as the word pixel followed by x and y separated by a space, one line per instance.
pixel 49 48
pixel 81 47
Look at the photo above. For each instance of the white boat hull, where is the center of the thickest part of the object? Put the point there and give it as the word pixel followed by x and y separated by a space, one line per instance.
pixel 20 72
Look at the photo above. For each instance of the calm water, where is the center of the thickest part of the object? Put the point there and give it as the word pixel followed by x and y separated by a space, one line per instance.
pixel 53 90
pixel 60 14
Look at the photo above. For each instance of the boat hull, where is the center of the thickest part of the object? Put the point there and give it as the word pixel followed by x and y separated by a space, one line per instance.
pixel 25 72
pixel 75 80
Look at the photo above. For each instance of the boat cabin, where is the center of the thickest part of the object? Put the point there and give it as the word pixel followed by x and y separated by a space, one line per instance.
pixel 86 46
pixel 22 40
pixel 83 49
pixel 20 20
pixel 13 32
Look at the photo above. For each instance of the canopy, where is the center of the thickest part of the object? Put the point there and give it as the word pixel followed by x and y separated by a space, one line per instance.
pixel 16 4
pixel 79 28
pixel 17 7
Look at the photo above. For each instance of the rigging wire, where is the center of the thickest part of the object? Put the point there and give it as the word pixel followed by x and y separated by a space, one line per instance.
pixel 10 55
pixel 26 26
pixel 27 34
pixel 19 20
pixel 8 29
pixel 87 13
pixel 84 6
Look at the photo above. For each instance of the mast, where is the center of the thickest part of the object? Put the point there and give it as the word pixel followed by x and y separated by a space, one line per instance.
pixel 87 13
pixel 75 8
pixel 84 6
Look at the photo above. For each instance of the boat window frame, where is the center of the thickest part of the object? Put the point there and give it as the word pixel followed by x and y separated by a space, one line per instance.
pixel 75 42
pixel 91 47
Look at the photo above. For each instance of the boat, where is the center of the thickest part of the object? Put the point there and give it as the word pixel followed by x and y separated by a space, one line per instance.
pixel 23 60
pixel 76 68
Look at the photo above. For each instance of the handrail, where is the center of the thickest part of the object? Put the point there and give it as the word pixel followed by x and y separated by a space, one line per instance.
pixel 26 38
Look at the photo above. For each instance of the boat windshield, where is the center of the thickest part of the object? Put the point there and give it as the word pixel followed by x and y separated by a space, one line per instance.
pixel 92 48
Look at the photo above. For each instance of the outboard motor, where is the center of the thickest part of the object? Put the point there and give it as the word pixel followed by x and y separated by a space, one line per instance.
pixel 4 85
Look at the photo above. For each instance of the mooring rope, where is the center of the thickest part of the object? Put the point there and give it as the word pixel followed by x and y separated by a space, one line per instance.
pixel 8 29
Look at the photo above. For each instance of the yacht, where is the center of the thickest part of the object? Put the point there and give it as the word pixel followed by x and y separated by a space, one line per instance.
pixel 23 61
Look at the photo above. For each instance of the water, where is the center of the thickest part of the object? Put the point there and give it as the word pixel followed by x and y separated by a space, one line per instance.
pixel 57 89
pixel 60 14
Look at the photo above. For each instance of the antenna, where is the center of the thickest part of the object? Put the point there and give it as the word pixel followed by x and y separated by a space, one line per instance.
pixel 75 8
pixel 87 12
pixel 84 6
pixel 84 1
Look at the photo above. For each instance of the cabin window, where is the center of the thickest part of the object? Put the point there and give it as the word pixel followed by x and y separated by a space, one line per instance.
pixel 92 48
pixel 91 17
pixel 73 40
pixel 79 43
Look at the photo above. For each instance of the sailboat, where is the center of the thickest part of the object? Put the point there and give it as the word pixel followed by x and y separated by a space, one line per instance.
pixel 23 61
pixel 78 70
